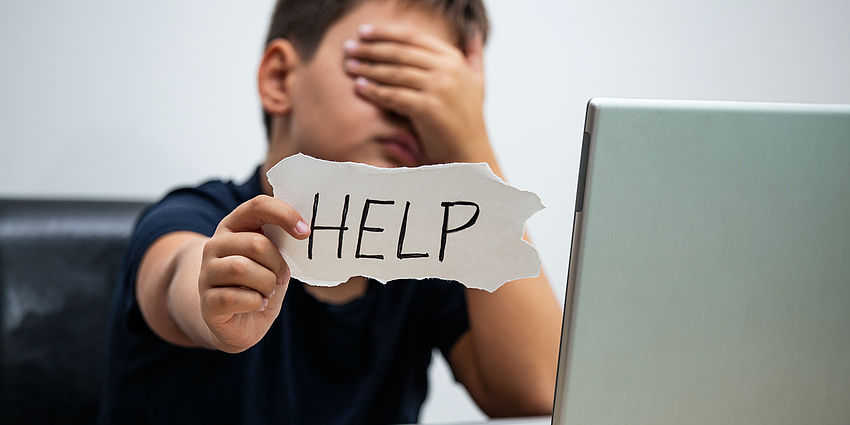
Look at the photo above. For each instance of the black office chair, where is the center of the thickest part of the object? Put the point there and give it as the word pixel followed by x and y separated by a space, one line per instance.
pixel 58 263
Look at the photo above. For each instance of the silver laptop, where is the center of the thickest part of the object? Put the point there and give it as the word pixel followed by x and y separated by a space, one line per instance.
pixel 709 278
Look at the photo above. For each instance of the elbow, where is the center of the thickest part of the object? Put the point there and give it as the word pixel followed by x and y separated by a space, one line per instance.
pixel 526 400
pixel 537 402
pixel 536 396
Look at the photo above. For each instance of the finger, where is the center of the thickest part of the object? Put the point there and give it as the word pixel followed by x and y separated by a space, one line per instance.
pixel 276 298
pixel 400 100
pixel 403 34
pixel 238 271
pixel 229 300
pixel 474 51
pixel 389 52
pixel 252 214
pixel 254 246
pixel 395 75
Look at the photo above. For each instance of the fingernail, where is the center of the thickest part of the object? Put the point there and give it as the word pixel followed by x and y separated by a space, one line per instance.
pixel 273 290
pixel 366 29
pixel 283 279
pixel 361 82
pixel 265 303
pixel 352 64
pixel 349 45
pixel 302 227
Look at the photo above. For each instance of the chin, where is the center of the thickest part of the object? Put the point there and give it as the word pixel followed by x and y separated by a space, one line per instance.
pixel 379 160
pixel 385 163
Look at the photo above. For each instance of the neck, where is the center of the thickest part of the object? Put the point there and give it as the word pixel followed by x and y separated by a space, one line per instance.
pixel 277 150
pixel 264 182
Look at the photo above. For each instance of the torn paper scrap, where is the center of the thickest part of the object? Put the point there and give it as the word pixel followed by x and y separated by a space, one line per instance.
pixel 452 221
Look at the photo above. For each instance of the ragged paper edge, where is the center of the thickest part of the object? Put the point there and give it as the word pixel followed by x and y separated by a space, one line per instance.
pixel 482 168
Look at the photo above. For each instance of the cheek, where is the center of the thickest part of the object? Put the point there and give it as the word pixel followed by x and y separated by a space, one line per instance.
pixel 354 116
pixel 330 119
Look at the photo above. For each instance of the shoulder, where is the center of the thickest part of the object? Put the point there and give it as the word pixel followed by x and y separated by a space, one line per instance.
pixel 198 208
pixel 215 196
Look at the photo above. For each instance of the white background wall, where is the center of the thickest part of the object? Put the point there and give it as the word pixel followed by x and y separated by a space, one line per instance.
pixel 119 99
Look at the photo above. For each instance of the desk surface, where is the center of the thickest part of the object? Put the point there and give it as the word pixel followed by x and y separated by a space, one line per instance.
pixel 540 420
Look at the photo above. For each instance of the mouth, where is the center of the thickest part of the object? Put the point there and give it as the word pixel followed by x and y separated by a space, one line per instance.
pixel 402 147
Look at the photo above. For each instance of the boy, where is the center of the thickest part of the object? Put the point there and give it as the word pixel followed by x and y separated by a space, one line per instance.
pixel 207 326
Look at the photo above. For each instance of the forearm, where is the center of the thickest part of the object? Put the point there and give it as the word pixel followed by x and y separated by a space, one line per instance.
pixel 515 333
pixel 183 298
pixel 167 289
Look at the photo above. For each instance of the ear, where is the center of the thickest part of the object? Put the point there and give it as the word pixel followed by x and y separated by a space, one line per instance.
pixel 474 50
pixel 275 75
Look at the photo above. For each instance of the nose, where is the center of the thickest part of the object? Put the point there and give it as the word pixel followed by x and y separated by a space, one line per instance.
pixel 398 120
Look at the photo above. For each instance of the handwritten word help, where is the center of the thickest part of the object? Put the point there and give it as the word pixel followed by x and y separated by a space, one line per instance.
pixel 454 221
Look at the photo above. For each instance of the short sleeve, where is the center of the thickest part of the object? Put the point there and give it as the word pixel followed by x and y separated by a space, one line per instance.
pixel 447 316
pixel 181 210
pixel 195 209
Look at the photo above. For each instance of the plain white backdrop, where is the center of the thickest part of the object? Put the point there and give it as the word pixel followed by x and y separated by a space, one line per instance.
pixel 119 99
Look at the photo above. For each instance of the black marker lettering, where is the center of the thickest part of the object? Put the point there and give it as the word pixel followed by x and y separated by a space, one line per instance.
pixel 363 228
pixel 342 227
pixel 446 230
pixel 401 234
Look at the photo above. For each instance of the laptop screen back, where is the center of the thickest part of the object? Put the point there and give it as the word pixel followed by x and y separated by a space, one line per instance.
pixel 710 270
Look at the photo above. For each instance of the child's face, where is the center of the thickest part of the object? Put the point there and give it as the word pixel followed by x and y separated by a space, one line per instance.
pixel 328 119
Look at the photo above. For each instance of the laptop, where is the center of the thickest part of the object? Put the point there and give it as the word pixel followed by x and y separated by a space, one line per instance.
pixel 709 278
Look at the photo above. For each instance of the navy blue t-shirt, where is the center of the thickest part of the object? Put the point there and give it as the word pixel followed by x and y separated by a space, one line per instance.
pixel 364 362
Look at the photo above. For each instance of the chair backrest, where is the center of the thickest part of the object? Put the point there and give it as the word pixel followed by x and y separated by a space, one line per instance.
pixel 58 264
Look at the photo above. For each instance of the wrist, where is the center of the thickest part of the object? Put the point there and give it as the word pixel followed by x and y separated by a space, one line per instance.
pixel 478 150
pixel 471 148
pixel 194 329
pixel 205 336
pixel 184 307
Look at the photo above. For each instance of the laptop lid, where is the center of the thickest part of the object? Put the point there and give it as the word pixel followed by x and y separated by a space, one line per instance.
pixel 709 277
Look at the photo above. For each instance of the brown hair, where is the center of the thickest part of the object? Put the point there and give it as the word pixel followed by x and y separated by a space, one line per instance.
pixel 304 22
